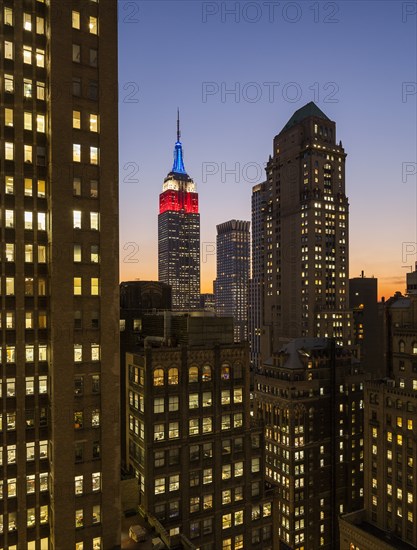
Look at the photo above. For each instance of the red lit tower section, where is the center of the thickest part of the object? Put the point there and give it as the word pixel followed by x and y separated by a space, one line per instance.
pixel 179 235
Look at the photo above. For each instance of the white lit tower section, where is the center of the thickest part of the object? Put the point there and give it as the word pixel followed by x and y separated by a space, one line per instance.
pixel 179 235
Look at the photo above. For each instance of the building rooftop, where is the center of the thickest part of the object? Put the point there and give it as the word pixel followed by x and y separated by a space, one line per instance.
pixel 310 109
pixel 298 347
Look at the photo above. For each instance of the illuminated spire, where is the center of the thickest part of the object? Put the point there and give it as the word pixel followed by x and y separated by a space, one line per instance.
pixel 178 166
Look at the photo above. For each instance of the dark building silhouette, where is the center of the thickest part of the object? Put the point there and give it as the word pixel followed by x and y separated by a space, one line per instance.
pixel 387 521
pixel 368 325
pixel 207 302
pixel 179 235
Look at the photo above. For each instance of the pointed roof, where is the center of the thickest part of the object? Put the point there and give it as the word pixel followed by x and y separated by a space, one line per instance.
pixel 310 109
pixel 178 166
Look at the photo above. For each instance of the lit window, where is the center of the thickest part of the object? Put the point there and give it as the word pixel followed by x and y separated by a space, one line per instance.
pixel 94 220
pixel 173 376
pixel 8 117
pixel 27 22
pixel 79 518
pixel 96 481
pixel 77 253
pixel 8 151
pixel 193 374
pixel 41 221
pixel 93 155
pixel 75 19
pixel 95 286
pixel 40 25
pixel 93 123
pixel 76 119
pixel 77 286
pixel 77 219
pixel 95 418
pixel 40 123
pixel 92 25
pixel 40 57
pixel 159 485
pixel 78 481
pixel 94 253
pixel 158 377
pixel 76 152
pixel 27 153
pixel 8 16
pixel 8 49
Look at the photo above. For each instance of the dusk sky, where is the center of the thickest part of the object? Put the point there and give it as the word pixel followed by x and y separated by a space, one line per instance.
pixel 355 59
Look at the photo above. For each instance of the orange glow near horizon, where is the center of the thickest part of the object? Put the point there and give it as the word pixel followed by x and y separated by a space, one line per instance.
pixel 387 284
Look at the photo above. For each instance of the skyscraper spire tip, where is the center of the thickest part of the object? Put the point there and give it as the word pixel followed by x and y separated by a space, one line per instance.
pixel 178 125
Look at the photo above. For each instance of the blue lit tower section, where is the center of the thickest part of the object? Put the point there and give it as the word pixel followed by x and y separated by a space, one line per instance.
pixel 179 234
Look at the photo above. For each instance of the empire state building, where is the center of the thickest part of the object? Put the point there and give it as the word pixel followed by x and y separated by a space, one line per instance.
pixel 179 234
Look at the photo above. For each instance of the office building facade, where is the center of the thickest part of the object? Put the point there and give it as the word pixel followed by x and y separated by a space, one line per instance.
pixel 194 449
pixel 59 281
pixel 256 283
pixel 231 287
pixel 306 228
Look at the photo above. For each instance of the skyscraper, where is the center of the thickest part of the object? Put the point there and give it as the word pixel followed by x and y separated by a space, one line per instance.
pixel 179 234
pixel 307 385
pixel 231 287
pixel 256 283
pixel 59 280
pixel 306 228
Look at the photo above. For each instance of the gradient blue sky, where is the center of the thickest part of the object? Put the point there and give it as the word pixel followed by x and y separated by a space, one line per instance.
pixel 170 50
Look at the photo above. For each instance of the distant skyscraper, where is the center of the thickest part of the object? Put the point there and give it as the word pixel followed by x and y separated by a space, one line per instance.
pixel 306 228
pixel 179 235
pixel 256 283
pixel 59 332
pixel 231 287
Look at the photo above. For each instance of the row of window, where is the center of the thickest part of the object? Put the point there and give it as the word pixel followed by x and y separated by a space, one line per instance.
pixel 197 426
pixel 29 416
pixel 95 518
pixel 28 117
pixel 80 486
pixel 10 485
pixel 32 253
pixel 33 450
pixel 10 86
pixel 91 22
pixel 31 219
pixel 194 374
pixel 79 419
pixel 78 218
pixel 30 186
pixel 32 385
pixel 94 286
pixel 30 55
pixel 93 121
pixel 195 400
pixel 39 352
pixel 29 23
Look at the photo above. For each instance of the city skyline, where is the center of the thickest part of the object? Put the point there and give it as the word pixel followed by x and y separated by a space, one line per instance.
pixel 221 129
